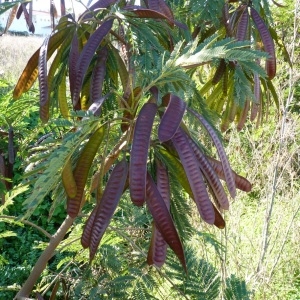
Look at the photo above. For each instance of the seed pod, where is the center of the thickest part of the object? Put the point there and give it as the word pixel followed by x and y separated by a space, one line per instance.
pixel 163 219
pixel 62 97
pixel 177 168
pixel 139 153
pixel 257 93
pixel 240 182
pixel 142 12
pixel 11 17
pixel 219 221
pixel 267 42
pixel 194 176
pixel 223 157
pixel 171 119
pixel 88 228
pixel 30 72
pixel 98 75
pixel 243 115
pixel 210 176
pixel 108 204
pixel 158 248
pixel 20 10
pixel 225 19
pixel 73 58
pixel 219 72
pixel 42 69
pixel 98 5
pixel 60 56
pixel 68 180
pixel 82 169
pixel 242 25
pixel 87 54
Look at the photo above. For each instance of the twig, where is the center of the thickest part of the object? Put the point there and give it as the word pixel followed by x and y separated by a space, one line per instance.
pixel 26 222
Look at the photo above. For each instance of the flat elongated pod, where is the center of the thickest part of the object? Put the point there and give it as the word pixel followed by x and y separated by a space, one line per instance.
pixel 241 182
pixel 20 11
pixel 243 115
pixel 219 221
pixel 163 219
pixel 171 119
pixel 88 228
pixel 211 176
pixel 68 180
pixel 73 58
pixel 42 69
pixel 219 71
pixel 225 19
pixel 82 169
pixel 30 72
pixel 142 12
pixel 87 54
pixel 223 157
pixel 98 75
pixel 60 56
pixel 108 204
pixel 28 17
pixel 62 97
pixel 162 7
pixel 242 25
pixel 139 153
pixel 158 247
pixel 176 168
pixel 267 41
pixel 98 5
pixel 257 93
pixel 11 17
pixel 194 176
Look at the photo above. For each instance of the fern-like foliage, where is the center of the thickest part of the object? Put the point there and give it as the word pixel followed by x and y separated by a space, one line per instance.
pixel 236 289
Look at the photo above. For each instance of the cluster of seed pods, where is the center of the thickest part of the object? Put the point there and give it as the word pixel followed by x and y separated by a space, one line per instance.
pixel 245 23
pixel 202 174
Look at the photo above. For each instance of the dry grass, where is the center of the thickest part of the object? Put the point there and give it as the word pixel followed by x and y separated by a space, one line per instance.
pixel 14 54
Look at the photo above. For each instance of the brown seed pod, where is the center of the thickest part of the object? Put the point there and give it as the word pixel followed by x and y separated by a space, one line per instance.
pixel 87 54
pixel 11 17
pixel 98 75
pixel 211 176
pixel 219 72
pixel 241 183
pixel 42 69
pixel 68 180
pixel 242 26
pixel 30 72
pixel 243 115
pixel 163 219
pixel 223 157
pixel 158 247
pixel 139 153
pixel 267 41
pixel 171 119
pixel 82 169
pixel 107 205
pixel 194 176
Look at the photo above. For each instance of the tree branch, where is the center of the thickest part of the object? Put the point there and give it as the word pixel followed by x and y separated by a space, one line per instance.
pixel 26 222
pixel 41 263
